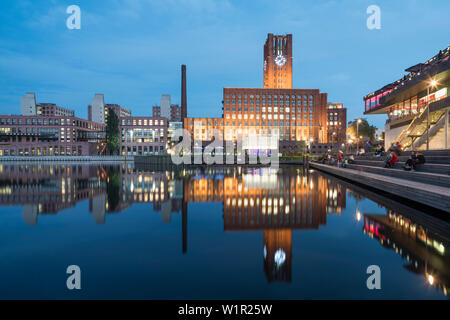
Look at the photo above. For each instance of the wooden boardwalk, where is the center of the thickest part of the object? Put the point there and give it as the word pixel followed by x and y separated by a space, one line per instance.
pixel 430 195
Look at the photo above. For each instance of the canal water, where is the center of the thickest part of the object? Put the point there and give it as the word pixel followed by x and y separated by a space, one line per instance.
pixel 225 233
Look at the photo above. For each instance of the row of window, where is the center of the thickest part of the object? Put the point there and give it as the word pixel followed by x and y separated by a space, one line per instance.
pixel 269 123
pixel 270 96
pixel 268 116
pixel 42 121
pixel 144 122
pixel 333 123
pixel 142 135
pixel 44 151
pixel 142 150
pixel 269 102
pixel 269 109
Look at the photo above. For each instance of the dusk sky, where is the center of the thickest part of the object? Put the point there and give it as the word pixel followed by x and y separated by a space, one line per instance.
pixel 131 50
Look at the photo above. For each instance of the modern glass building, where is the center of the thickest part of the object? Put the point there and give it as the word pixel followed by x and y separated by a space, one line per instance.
pixel 416 105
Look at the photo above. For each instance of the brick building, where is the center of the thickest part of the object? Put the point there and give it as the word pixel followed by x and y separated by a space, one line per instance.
pixel 156 111
pixel 175 113
pixel 48 136
pixel 336 122
pixel 277 109
pixel 49 130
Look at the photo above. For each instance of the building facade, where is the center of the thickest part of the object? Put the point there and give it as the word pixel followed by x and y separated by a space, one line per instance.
pixel 165 106
pixel 276 110
pixel 277 64
pixel 202 129
pixel 417 105
pixel 175 113
pixel 143 135
pixel 48 136
pixel 55 131
pixel 120 111
pixel 156 111
pixel 336 122
pixel 97 112
pixel 293 114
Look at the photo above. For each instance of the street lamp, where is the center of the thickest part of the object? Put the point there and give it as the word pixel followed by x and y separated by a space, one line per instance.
pixel 432 83
pixel 357 133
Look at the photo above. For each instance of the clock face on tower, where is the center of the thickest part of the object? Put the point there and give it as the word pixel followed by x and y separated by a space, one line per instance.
pixel 280 60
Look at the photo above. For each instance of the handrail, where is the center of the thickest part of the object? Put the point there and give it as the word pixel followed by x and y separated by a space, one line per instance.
pixel 407 130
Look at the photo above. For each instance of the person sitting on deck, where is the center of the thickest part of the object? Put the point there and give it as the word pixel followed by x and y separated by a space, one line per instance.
pixel 345 163
pixel 391 160
pixel 409 164
pixel 379 151
pixel 340 156
pixel 351 159
pixel 419 159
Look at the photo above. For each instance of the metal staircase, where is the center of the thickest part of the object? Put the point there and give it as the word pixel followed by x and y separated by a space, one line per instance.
pixel 435 130
pixel 415 134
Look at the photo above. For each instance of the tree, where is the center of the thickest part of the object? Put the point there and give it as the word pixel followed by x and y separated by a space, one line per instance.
pixel 364 129
pixel 301 146
pixel 112 132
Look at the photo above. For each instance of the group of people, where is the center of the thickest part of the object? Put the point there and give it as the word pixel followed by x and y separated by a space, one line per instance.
pixel 414 160
pixel 392 156
pixel 341 160
pixel 344 161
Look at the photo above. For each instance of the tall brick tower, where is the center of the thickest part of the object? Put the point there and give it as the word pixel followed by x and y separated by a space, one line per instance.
pixel 277 64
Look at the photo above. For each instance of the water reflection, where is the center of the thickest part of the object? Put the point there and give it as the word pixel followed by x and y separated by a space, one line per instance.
pixel 273 202
pixel 422 249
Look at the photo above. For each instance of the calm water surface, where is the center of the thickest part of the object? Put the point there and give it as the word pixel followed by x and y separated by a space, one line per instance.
pixel 213 233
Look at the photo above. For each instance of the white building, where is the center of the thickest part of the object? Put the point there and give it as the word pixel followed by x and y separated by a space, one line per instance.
pixel 98 108
pixel 28 104
pixel 165 106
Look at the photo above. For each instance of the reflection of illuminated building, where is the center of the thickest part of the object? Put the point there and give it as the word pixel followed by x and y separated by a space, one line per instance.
pixel 272 201
pixel 424 250
pixel 277 253
pixel 336 197
pixel 44 189
pixel 47 189
pixel 295 201
pixel 275 202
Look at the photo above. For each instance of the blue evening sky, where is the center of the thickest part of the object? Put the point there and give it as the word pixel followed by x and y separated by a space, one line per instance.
pixel 131 50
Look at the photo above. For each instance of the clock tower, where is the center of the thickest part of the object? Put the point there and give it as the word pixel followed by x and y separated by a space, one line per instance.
pixel 278 61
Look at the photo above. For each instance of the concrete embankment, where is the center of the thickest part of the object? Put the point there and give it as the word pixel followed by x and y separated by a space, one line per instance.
pixel 165 161
pixel 432 196
pixel 67 159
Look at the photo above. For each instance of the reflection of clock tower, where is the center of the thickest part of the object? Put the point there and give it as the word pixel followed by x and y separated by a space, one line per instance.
pixel 278 61
pixel 277 252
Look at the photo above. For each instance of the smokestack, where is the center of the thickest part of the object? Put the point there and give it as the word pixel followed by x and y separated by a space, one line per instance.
pixel 183 93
